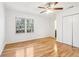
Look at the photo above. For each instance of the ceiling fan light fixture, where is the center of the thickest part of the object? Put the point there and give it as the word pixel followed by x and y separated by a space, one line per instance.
pixel 49 11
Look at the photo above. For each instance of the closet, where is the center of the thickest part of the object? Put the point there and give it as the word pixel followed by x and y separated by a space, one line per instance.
pixel 68 29
pixel 76 30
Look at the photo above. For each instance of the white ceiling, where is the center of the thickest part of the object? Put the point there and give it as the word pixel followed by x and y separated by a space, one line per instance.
pixel 24 6
pixel 32 7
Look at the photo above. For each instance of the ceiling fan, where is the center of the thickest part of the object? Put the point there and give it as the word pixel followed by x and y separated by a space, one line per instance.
pixel 50 6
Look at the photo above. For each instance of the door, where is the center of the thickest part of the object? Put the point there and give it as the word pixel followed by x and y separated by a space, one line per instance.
pixel 67 30
pixel 76 30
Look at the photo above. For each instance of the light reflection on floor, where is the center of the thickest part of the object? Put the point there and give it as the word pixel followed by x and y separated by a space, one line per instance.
pixel 25 52
pixel 21 52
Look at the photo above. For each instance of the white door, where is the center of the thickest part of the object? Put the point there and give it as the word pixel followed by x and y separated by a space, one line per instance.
pixel 67 30
pixel 76 30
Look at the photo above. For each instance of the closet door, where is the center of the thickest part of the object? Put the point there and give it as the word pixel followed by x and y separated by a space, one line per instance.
pixel 67 30
pixel 76 30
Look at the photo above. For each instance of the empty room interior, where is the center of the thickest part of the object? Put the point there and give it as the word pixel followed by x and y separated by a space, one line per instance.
pixel 39 29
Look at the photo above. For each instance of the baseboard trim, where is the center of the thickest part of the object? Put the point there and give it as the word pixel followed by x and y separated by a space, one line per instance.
pixel 31 40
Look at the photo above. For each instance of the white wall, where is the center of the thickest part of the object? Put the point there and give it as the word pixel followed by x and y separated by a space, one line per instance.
pixel 43 26
pixel 2 28
pixel 59 27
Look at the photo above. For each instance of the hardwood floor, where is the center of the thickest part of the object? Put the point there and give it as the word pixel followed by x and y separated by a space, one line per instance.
pixel 44 47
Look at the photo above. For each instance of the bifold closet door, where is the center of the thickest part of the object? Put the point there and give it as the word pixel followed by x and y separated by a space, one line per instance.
pixel 67 30
pixel 76 30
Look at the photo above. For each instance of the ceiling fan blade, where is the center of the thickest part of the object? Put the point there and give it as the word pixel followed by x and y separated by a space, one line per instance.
pixel 42 7
pixel 58 8
pixel 55 3
pixel 43 11
pixel 50 3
